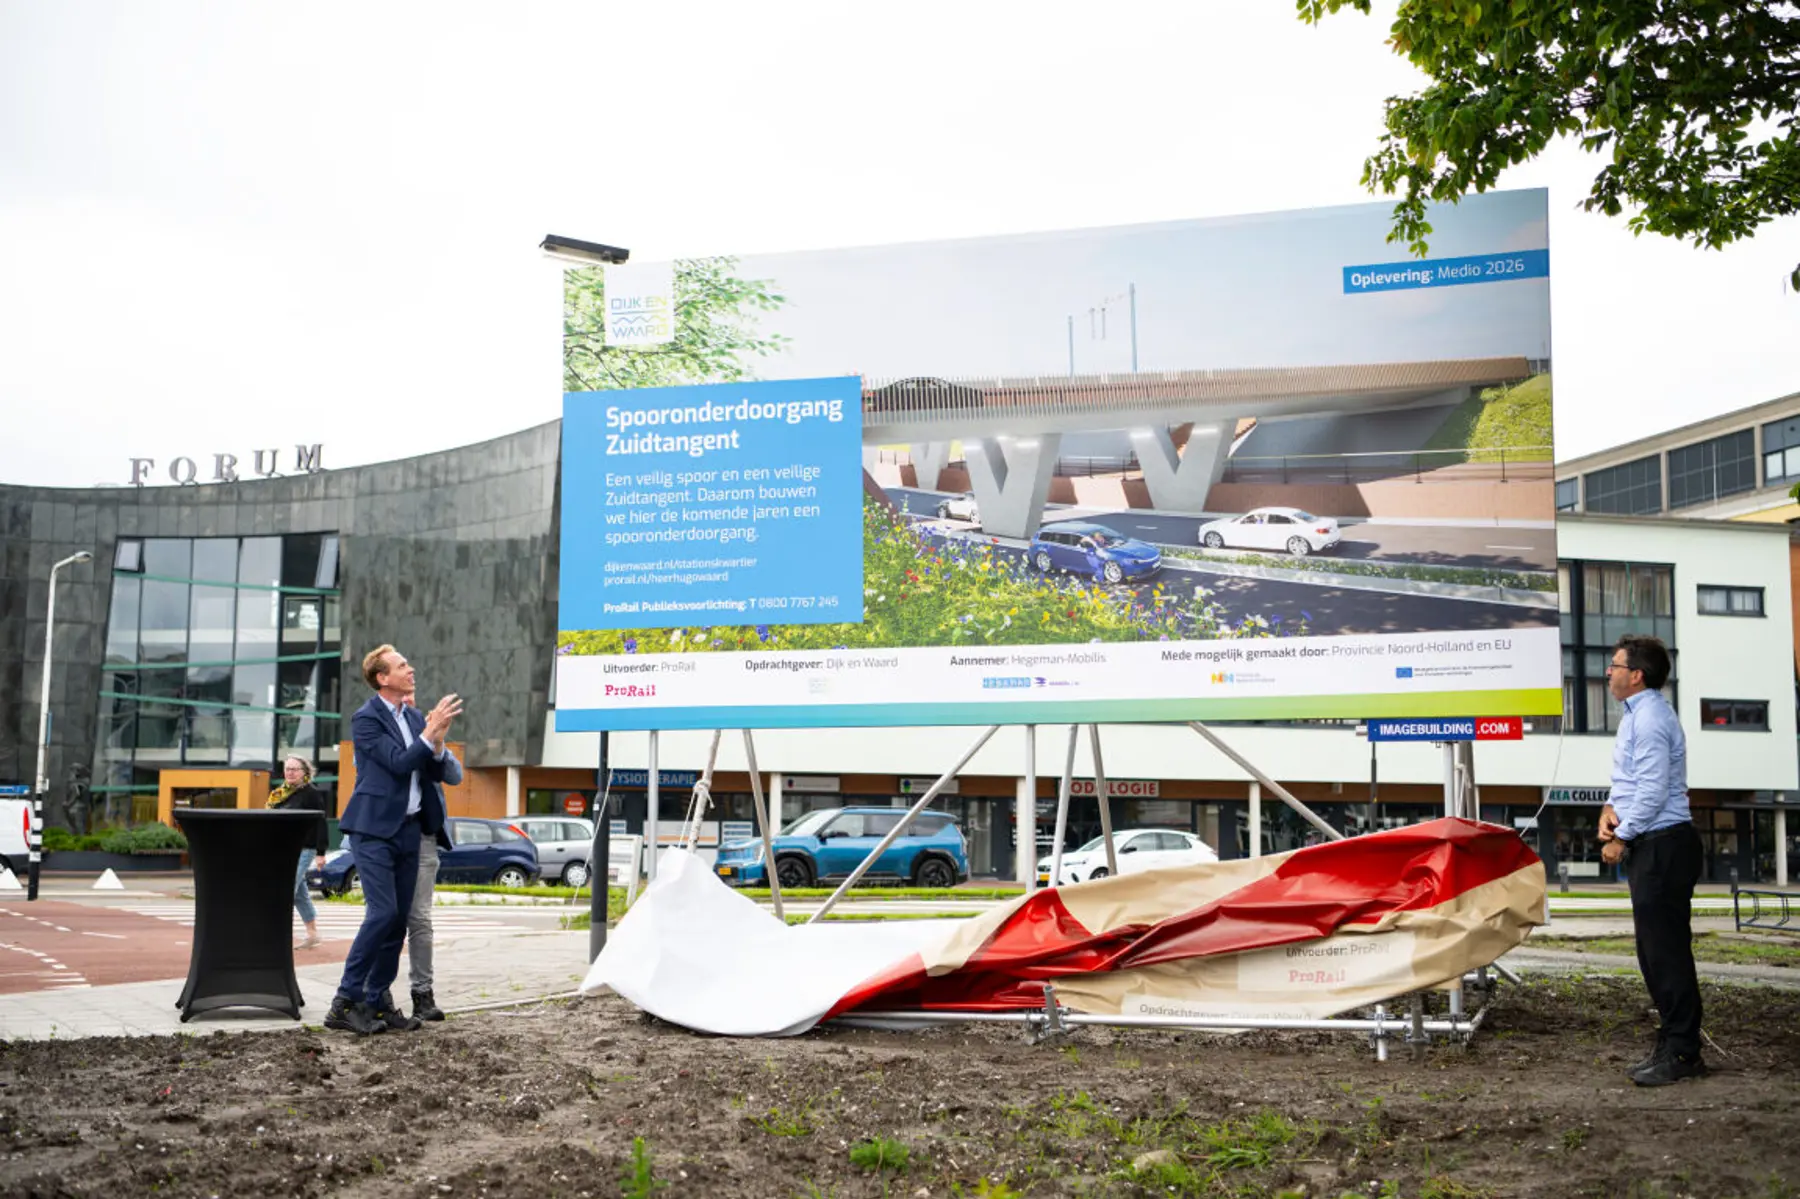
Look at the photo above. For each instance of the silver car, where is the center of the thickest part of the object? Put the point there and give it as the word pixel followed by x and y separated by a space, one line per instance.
pixel 563 844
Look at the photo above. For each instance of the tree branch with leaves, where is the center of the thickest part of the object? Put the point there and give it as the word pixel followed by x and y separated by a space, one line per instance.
pixel 1693 101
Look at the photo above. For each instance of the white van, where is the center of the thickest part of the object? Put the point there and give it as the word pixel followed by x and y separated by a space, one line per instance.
pixel 15 828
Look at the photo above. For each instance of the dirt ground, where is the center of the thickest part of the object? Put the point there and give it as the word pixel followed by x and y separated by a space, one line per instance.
pixel 546 1101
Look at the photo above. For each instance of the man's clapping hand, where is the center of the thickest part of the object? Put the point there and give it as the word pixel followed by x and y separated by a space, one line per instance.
pixel 437 721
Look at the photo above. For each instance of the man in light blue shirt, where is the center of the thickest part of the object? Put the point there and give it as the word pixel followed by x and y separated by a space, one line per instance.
pixel 1646 823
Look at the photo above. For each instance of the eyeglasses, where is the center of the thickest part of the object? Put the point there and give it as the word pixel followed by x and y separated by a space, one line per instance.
pixel 1612 666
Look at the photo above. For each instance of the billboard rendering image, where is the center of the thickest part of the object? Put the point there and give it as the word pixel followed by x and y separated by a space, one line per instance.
pixel 1249 468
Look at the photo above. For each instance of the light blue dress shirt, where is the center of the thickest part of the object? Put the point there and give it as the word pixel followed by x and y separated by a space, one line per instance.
pixel 1649 770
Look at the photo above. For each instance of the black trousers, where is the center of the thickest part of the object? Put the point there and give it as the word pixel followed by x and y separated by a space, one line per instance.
pixel 1662 868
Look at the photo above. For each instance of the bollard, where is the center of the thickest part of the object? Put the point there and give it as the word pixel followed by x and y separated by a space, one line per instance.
pixel 1562 877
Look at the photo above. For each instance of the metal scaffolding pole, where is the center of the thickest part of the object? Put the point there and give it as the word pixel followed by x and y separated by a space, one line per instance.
pixel 762 826
pixel 1281 793
pixel 894 834
pixel 1062 808
pixel 1112 856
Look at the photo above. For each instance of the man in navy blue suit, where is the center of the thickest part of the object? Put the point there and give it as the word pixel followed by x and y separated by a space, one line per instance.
pixel 399 764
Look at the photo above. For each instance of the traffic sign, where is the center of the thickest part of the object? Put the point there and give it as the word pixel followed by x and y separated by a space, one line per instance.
pixel 574 803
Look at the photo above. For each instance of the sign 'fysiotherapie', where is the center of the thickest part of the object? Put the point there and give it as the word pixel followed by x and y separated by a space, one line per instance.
pixel 1213 469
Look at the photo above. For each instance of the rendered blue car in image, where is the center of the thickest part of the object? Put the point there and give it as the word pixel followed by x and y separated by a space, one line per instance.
pixel 828 844
pixel 486 851
pixel 1109 556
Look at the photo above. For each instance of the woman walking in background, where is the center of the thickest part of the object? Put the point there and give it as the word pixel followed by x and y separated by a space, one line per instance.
pixel 297 794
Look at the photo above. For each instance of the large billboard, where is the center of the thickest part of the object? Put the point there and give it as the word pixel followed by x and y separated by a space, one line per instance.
pixel 1253 468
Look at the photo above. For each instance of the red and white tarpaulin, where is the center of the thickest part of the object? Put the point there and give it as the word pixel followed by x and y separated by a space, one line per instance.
pixel 1309 933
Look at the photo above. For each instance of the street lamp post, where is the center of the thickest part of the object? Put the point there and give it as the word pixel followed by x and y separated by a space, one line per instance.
pixel 43 779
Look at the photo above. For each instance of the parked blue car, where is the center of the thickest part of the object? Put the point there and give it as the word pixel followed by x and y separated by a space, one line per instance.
pixel 1096 550
pixel 487 851
pixel 828 844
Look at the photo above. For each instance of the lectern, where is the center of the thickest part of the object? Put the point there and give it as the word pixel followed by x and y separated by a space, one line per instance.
pixel 244 864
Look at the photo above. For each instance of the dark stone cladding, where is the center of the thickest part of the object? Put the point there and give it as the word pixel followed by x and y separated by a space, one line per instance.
pixel 450 556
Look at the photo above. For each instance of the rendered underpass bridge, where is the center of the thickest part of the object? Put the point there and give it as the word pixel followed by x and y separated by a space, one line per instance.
pixel 1012 429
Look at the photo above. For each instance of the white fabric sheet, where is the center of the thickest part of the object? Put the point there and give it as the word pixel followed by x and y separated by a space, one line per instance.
pixel 695 952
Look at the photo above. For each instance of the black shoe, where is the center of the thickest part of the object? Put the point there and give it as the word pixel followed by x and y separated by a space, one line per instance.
pixel 425 1007
pixel 1656 1055
pixel 1672 1069
pixel 389 1014
pixel 346 1016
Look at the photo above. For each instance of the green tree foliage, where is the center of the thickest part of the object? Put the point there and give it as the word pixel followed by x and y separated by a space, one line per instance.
pixel 715 330
pixel 1693 102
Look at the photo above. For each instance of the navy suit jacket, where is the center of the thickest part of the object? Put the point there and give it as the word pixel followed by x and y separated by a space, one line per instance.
pixel 384 770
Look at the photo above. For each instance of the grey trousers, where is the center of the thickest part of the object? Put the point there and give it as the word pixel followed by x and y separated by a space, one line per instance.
pixel 418 920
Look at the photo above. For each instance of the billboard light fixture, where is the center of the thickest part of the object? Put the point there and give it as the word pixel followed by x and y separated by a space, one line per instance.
pixel 582 253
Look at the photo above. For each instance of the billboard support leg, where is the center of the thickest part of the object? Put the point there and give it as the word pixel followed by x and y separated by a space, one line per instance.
pixel 653 804
pixel 1305 813
pixel 762 826
pixel 1025 855
pixel 1062 808
pixel 702 798
pixel 1450 778
pixel 899 829
pixel 1112 856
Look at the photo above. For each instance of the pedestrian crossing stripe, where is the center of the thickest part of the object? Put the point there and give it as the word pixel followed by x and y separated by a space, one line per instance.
pixel 333 925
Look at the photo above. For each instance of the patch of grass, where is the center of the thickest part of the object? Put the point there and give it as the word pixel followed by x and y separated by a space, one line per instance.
pixel 639 1179
pixel 868 916
pixel 953 893
pixel 880 1155
pixel 1573 1139
pixel 1442 1186
pixel 1515 419
pixel 795 1123
pixel 1708 947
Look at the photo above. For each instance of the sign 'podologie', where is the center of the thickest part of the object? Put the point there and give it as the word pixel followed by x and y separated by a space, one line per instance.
pixel 1230 469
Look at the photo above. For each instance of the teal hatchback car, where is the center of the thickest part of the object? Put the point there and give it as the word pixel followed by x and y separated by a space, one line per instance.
pixel 825 846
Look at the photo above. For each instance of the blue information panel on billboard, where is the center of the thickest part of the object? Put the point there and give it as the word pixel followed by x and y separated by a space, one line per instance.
pixel 729 504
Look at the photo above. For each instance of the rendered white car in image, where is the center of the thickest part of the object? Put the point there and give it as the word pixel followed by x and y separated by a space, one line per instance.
pixel 1137 850
pixel 959 507
pixel 1294 530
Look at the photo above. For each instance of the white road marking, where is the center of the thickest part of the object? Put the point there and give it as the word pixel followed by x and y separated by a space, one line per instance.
pixel 108 936
pixel 1526 548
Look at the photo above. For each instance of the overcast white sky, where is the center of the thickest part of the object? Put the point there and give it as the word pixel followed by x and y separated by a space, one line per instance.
pixel 226 227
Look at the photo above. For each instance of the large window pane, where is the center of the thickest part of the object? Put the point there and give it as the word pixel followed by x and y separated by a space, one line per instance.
pixel 301 616
pixel 328 564
pixel 252 738
pixel 1711 470
pixel 258 624
pixel 212 614
pixel 163 621
pixel 253 733
pixel 259 562
pixel 122 621
pixel 209 735
pixel 159 728
pixel 215 560
pixel 1632 488
pixel 170 558
pixel 299 559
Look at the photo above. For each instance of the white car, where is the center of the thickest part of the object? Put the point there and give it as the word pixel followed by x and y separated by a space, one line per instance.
pixel 15 829
pixel 959 507
pixel 563 845
pixel 1137 850
pixel 1295 530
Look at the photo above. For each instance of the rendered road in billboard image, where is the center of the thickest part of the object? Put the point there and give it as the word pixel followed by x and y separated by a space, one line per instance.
pixel 1198 470
pixel 1503 548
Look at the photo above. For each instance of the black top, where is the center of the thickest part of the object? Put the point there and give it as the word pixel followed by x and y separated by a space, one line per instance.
pixel 309 799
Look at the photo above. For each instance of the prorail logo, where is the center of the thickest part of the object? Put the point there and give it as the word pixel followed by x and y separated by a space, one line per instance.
pixel 185 472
